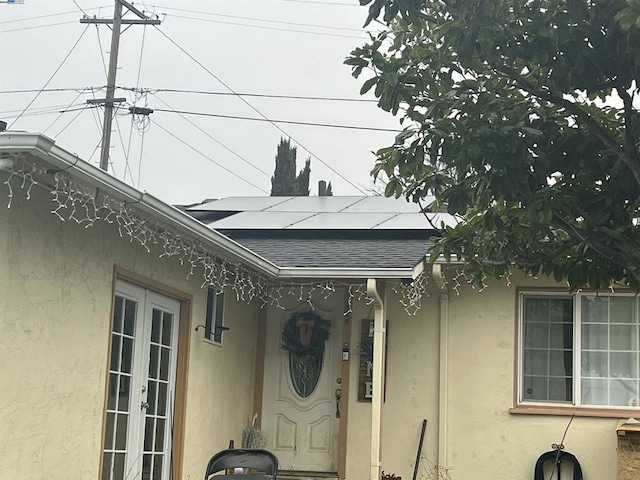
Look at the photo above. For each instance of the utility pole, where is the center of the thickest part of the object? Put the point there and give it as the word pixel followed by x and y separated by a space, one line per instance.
pixel 110 99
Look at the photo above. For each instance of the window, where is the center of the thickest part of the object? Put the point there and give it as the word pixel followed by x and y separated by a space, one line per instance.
pixel 214 327
pixel 580 350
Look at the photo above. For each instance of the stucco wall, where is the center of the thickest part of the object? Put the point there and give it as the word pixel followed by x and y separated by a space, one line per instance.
pixel 484 440
pixel 56 284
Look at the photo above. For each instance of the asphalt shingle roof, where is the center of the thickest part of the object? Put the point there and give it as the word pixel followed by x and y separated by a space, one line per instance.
pixel 325 232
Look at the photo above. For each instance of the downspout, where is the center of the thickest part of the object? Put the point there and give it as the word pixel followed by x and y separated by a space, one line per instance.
pixel 379 339
pixel 443 401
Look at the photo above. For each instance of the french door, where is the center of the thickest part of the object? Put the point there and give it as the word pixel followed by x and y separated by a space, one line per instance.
pixel 141 385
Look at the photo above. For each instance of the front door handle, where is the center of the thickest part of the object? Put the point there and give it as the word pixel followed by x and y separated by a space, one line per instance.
pixel 338 397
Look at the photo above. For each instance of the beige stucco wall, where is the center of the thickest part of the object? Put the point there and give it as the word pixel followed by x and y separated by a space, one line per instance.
pixel 484 440
pixel 56 283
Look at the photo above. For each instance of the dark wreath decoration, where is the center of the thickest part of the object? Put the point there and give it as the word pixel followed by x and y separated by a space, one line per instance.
pixel 305 333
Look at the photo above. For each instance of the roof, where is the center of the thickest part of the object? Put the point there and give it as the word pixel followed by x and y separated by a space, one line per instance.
pixel 363 248
pixel 354 232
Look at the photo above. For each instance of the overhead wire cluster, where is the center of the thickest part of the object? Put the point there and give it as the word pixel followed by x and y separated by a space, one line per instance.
pixel 142 122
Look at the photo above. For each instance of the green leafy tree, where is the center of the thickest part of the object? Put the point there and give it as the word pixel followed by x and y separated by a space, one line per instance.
pixel 284 181
pixel 302 180
pixel 520 118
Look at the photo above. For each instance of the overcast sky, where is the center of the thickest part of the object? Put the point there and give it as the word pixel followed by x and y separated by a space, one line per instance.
pixel 263 47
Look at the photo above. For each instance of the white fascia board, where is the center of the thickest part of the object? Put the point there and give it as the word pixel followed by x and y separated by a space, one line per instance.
pixel 342 273
pixel 45 149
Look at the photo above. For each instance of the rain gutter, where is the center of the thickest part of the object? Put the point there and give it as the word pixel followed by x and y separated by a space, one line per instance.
pixel 45 149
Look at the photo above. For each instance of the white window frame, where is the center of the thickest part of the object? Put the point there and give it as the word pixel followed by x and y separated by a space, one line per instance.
pixel 214 317
pixel 576 401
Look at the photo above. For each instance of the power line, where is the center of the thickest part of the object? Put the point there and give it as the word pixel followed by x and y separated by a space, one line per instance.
pixel 38 26
pixel 208 158
pixel 216 140
pixel 53 75
pixel 281 22
pixel 74 12
pixel 289 122
pixel 60 115
pixel 263 27
pixel 203 92
pixel 258 95
pixel 259 112
pixel 80 8
pixel 70 89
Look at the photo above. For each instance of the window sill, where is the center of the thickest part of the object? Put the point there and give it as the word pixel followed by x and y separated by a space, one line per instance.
pixel 577 411
pixel 212 342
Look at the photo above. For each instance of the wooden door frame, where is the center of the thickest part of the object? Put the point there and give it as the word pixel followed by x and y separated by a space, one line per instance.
pixel 182 366
pixel 258 395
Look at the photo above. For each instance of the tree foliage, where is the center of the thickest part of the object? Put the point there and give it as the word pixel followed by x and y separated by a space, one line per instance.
pixel 520 118
pixel 285 182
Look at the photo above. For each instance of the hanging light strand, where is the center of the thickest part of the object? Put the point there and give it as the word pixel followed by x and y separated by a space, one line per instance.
pixel 86 205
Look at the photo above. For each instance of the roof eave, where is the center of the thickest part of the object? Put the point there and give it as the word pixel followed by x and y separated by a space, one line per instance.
pixel 45 149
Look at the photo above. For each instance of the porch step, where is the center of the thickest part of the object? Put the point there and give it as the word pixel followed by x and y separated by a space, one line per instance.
pixel 304 475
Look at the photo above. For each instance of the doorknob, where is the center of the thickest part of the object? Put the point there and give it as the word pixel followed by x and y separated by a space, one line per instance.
pixel 144 405
pixel 338 397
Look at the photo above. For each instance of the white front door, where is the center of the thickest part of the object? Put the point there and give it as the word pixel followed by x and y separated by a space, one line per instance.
pixel 141 386
pixel 301 428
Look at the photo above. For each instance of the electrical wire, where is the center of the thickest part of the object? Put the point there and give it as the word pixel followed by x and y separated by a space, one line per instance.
pixel 263 27
pixel 281 22
pixel 288 122
pixel 48 16
pixel 208 158
pixel 127 168
pixel 237 155
pixel 259 112
pixel 51 77
pixel 257 95
pixel 71 89
pixel 60 115
pixel 38 26
pixel 202 92
pixel 72 120
pixel 80 8
pixel 36 111
pixel 128 151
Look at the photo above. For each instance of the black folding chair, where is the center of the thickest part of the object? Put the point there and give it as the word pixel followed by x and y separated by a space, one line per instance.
pixel 247 459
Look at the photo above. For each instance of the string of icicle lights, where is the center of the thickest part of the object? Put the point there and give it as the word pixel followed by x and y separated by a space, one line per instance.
pixel 86 205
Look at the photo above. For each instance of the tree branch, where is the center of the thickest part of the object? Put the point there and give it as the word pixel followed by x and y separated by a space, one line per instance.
pixel 628 127
pixel 571 107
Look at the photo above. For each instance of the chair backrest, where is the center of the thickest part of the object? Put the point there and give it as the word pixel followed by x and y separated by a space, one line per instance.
pixel 262 460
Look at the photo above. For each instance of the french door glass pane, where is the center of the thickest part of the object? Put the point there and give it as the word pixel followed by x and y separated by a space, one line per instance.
pixel 119 388
pixel 157 421
pixel 610 353
pixel 548 349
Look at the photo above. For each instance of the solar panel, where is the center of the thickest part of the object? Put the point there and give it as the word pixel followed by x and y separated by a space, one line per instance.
pixel 259 220
pixel 239 204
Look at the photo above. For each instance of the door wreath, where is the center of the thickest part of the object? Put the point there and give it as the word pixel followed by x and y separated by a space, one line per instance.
pixel 305 333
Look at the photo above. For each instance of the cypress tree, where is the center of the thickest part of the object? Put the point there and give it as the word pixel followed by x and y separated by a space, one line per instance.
pixel 284 181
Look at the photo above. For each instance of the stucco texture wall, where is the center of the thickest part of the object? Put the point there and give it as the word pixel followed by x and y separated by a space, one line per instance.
pixel 55 306
pixel 411 391
pixel 485 440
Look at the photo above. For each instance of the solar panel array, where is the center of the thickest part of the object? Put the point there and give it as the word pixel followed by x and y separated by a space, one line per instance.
pixel 321 213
